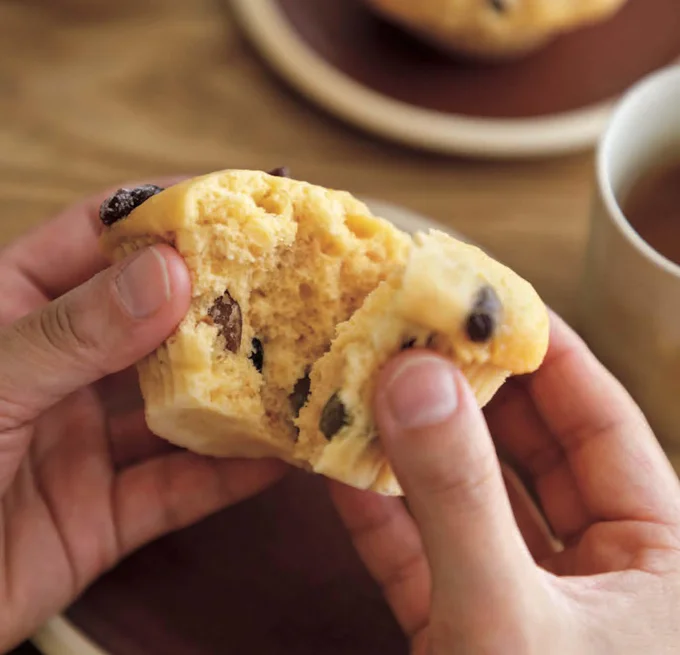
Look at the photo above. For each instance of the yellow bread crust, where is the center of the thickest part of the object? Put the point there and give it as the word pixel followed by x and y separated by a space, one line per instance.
pixel 427 305
pixel 475 27
pixel 442 278
pixel 315 276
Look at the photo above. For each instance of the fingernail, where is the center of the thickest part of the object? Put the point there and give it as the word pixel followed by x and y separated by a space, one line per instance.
pixel 144 284
pixel 422 392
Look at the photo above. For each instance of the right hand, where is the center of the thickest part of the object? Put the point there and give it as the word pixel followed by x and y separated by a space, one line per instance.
pixel 465 574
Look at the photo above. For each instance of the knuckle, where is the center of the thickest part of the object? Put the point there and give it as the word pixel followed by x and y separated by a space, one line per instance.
pixel 61 329
pixel 64 332
pixel 470 484
pixel 15 404
pixel 15 413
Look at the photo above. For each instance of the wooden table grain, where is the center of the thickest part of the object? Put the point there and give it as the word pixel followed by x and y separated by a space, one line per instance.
pixel 94 92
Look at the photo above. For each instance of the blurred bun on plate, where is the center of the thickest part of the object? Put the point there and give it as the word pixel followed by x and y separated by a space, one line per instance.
pixel 493 29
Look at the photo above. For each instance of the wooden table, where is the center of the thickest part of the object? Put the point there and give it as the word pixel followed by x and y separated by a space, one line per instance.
pixel 94 92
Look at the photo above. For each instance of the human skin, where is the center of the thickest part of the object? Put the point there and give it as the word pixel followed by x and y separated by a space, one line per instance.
pixel 82 480
pixel 468 569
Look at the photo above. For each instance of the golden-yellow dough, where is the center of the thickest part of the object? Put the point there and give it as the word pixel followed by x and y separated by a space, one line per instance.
pixel 495 29
pixel 299 296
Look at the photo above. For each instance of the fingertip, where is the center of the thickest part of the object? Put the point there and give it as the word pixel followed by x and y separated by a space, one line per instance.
pixel 401 359
pixel 417 389
pixel 439 445
pixel 428 419
pixel 132 307
pixel 178 277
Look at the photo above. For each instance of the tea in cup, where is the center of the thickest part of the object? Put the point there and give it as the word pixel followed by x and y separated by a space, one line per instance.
pixel 630 301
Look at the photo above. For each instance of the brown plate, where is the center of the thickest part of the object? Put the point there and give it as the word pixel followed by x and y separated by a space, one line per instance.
pixel 274 575
pixel 376 76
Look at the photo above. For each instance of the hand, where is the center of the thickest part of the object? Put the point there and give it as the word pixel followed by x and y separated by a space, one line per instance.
pixel 82 480
pixel 466 576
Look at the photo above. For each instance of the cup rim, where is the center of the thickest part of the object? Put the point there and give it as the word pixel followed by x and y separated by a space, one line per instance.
pixel 666 75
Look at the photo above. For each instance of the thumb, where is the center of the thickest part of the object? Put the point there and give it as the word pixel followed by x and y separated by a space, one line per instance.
pixel 439 445
pixel 99 328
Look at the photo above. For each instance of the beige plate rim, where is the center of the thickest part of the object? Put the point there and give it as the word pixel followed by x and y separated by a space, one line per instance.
pixel 554 134
pixel 59 636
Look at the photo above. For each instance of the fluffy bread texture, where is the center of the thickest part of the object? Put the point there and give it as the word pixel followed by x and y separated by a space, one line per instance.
pixel 299 296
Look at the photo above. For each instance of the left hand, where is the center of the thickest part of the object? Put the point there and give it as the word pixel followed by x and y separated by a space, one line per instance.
pixel 82 480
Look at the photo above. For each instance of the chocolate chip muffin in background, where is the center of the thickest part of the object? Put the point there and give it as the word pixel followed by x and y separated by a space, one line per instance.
pixel 299 294
pixel 493 29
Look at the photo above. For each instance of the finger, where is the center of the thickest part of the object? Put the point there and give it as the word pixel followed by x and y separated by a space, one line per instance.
pixel 522 435
pixel 441 450
pixel 120 393
pixel 99 328
pixel 172 492
pixel 531 523
pixel 60 254
pixel 390 546
pixel 64 252
pixel 20 296
pixel 619 468
pixel 132 442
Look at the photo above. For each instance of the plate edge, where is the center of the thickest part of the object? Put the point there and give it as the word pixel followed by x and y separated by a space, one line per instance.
pixel 554 134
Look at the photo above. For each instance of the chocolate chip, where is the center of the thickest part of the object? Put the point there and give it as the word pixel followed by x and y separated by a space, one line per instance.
pixel 123 201
pixel 500 6
pixel 142 193
pixel 407 345
pixel 485 316
pixel 282 171
pixel 300 393
pixel 333 418
pixel 257 355
pixel 226 313
pixel 116 207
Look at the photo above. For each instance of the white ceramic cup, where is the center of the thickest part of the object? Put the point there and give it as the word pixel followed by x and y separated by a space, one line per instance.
pixel 630 300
